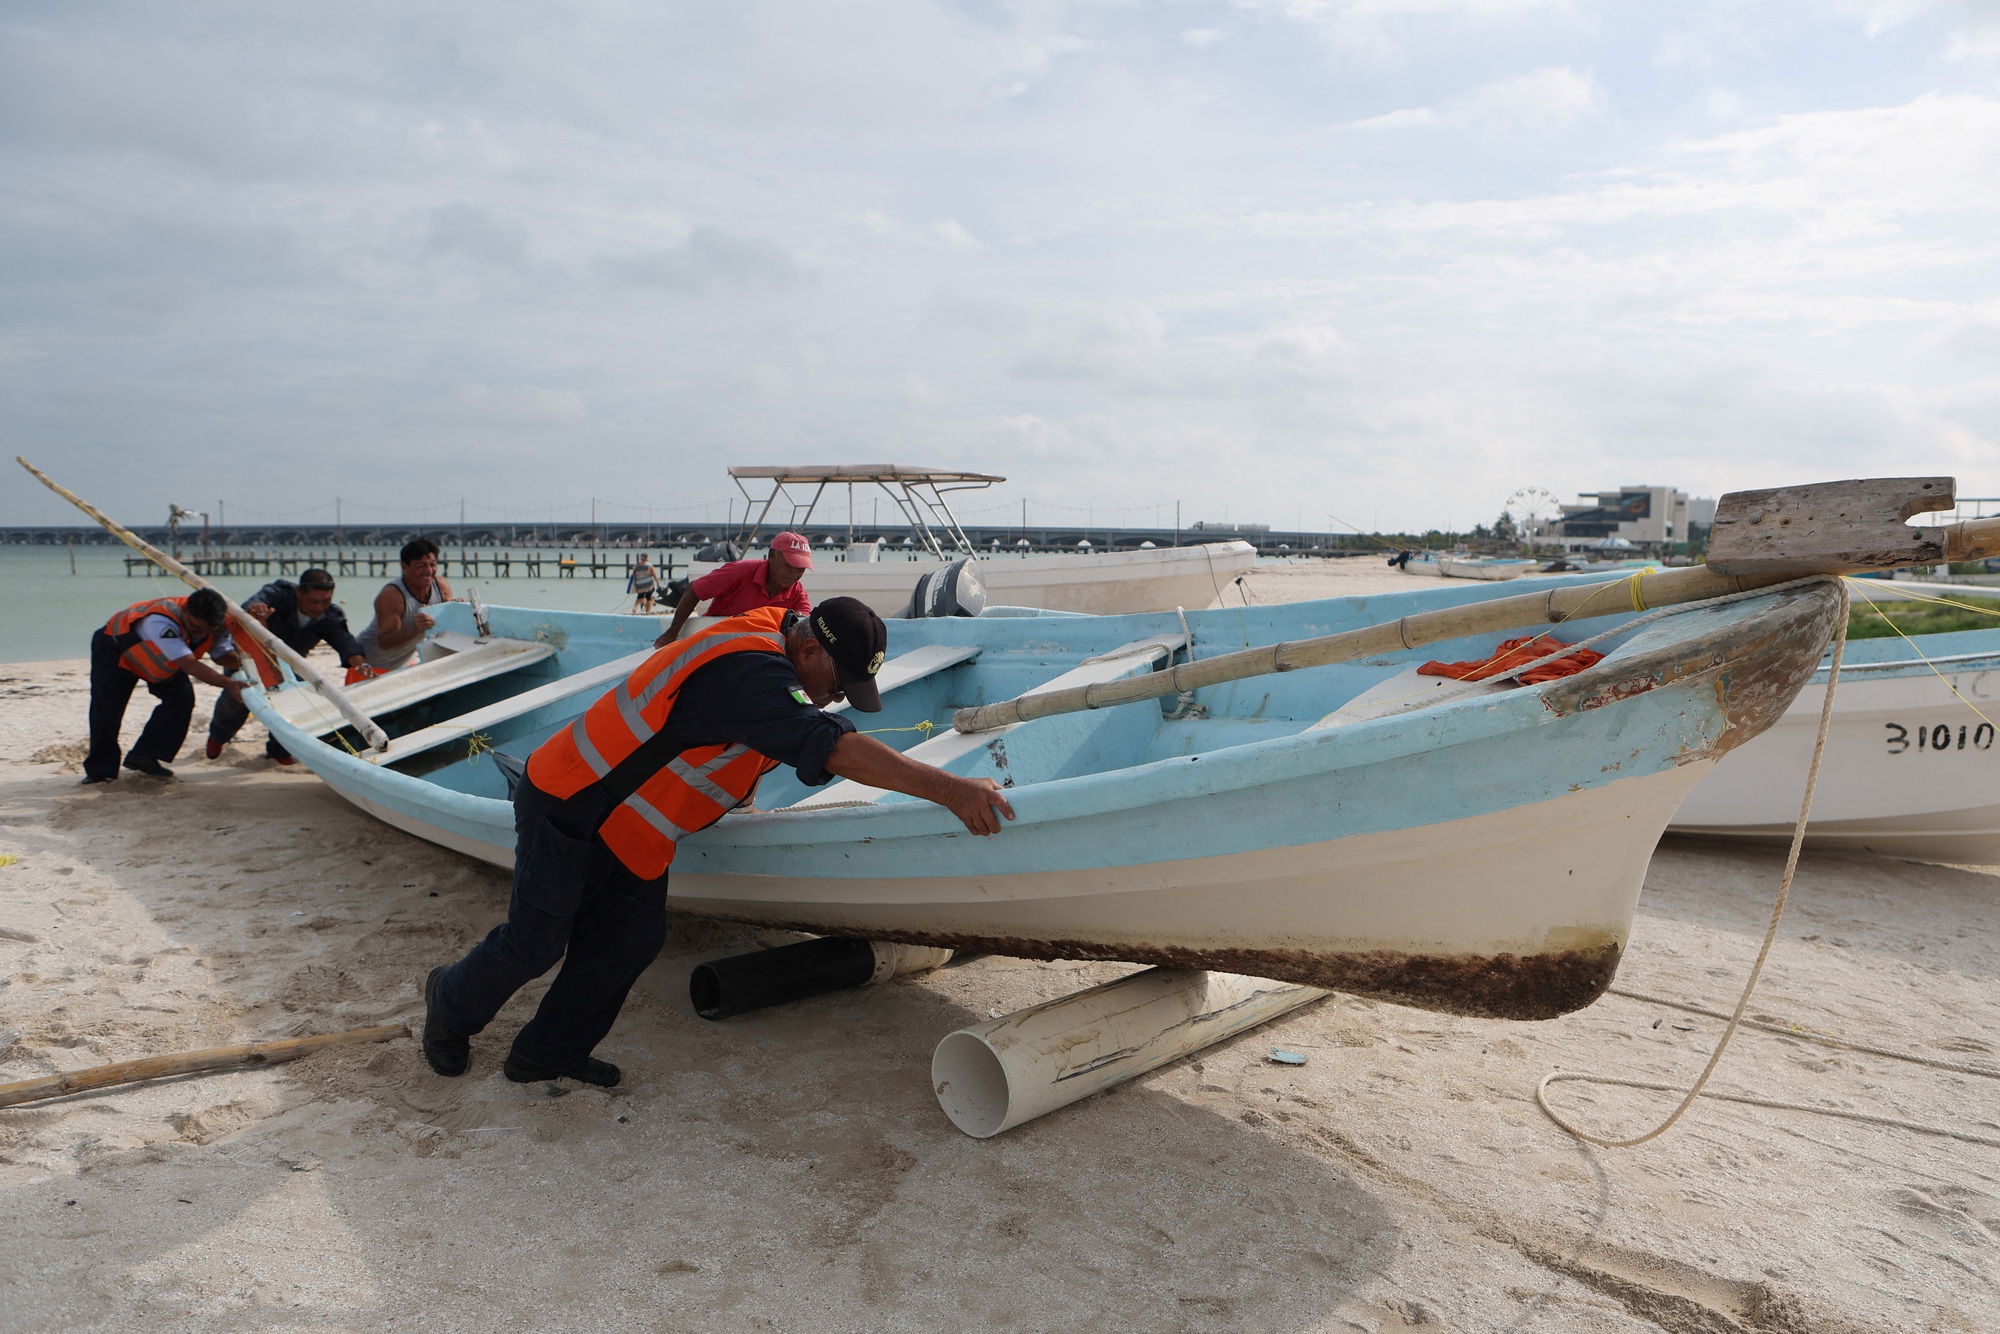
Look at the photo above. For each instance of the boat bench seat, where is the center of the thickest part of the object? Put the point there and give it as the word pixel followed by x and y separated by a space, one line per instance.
pixel 458 660
pixel 1404 692
pixel 597 678
pixel 898 671
pixel 941 750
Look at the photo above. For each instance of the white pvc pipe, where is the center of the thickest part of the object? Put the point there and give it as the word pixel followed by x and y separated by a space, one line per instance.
pixel 893 961
pixel 994 1076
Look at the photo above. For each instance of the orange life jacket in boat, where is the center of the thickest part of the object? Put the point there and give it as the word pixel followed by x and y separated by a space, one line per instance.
pixel 144 660
pixel 695 788
pixel 1514 652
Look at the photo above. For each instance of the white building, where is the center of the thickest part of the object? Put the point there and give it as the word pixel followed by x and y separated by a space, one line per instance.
pixel 1647 518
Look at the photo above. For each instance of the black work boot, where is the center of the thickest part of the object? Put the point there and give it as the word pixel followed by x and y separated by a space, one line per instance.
pixel 146 764
pixel 448 1052
pixel 593 1071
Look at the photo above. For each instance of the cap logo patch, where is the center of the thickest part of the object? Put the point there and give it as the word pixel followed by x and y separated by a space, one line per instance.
pixel 875 664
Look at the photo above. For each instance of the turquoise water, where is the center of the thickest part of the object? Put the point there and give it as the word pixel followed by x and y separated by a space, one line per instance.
pixel 47 612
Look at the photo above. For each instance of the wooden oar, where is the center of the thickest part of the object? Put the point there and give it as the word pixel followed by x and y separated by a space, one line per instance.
pixel 374 735
pixel 188 1063
pixel 1760 538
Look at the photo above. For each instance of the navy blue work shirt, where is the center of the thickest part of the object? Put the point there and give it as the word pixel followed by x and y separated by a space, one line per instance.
pixel 299 634
pixel 748 699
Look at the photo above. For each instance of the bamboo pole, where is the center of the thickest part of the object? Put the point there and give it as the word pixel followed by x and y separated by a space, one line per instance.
pixel 377 739
pixel 1969 540
pixel 1636 593
pixel 188 1063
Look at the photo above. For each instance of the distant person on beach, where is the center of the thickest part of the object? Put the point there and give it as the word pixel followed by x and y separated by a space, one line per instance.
pixel 602 805
pixel 159 642
pixel 642 583
pixel 302 615
pixel 392 638
pixel 745 585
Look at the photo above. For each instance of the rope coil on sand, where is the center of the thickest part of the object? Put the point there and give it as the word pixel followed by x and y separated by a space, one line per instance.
pixel 1736 1019
pixel 1770 933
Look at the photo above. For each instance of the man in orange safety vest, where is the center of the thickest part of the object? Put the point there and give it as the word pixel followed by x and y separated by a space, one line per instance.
pixel 604 803
pixel 159 642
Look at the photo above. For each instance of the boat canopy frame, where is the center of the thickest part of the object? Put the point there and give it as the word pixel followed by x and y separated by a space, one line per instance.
pixel 918 493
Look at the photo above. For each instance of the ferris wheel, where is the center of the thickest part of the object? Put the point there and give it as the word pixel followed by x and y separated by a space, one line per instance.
pixel 1532 509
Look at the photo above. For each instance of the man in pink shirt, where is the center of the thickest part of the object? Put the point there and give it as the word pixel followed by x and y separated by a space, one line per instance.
pixel 745 585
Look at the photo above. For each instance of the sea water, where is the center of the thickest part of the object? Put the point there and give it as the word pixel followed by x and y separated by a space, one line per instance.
pixel 46 612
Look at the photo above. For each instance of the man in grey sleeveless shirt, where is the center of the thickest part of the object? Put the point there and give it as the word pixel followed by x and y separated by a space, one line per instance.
pixel 391 640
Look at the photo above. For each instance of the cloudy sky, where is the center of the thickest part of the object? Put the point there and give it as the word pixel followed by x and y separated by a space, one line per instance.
pixel 1387 260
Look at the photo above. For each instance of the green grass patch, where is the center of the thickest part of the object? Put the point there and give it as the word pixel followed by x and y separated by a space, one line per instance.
pixel 1865 621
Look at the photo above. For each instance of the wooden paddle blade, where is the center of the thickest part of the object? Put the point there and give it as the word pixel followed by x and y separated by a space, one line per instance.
pixel 1830 527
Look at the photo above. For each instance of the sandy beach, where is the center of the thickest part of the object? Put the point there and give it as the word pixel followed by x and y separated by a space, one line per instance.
pixel 791 1171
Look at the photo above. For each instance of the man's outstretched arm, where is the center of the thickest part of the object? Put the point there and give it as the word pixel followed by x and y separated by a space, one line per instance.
pixel 973 800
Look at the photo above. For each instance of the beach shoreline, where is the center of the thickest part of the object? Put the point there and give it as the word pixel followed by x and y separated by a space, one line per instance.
pixel 790 1170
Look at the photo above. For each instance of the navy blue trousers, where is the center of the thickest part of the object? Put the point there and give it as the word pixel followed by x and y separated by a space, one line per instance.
pixel 574 901
pixel 230 715
pixel 111 689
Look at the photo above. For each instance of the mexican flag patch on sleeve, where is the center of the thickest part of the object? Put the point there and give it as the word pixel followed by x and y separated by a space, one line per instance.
pixel 800 696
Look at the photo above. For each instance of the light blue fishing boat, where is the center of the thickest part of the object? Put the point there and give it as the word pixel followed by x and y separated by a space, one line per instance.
pixel 1470 847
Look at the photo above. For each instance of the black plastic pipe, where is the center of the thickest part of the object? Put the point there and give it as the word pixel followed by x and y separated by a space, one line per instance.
pixel 725 988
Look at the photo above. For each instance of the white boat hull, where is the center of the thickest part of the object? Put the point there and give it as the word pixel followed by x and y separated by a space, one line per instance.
pixel 1544 882
pixel 1109 584
pixel 1885 784
pixel 1454 567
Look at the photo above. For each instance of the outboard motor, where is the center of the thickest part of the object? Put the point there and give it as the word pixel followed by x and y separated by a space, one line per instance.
pixel 953 591
pixel 675 590
pixel 720 553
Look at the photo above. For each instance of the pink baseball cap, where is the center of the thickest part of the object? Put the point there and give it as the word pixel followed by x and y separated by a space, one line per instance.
pixel 795 549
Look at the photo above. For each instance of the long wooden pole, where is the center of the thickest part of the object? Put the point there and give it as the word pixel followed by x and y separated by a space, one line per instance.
pixel 188 1063
pixel 377 739
pixel 1640 592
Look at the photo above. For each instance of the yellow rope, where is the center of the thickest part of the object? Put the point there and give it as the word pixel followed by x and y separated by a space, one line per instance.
pixel 1913 596
pixel 1918 649
pixel 1577 612
pixel 476 745
pixel 925 727
pixel 1638 602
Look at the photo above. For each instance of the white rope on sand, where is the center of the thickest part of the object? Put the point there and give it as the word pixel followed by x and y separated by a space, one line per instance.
pixel 1756 969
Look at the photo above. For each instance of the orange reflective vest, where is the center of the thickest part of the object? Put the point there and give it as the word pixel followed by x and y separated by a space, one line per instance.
pixel 695 788
pixel 144 660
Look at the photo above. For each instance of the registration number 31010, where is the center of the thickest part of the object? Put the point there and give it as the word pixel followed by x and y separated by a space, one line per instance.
pixel 1938 736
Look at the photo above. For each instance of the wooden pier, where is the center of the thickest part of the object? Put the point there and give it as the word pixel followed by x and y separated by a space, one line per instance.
pixel 495 564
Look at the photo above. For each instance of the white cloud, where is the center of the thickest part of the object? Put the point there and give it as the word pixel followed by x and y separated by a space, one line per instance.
pixel 509 405
pixel 710 258
pixel 1543 99
pixel 949 233
pixel 1076 237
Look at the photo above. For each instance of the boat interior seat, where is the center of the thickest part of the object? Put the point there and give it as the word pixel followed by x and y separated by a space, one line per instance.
pixel 596 678
pixel 1067 735
pixel 1404 692
pixel 460 661
pixel 510 751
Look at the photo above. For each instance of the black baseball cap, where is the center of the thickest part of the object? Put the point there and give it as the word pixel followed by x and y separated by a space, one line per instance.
pixel 855 638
